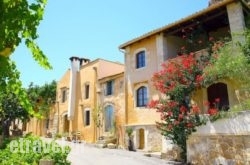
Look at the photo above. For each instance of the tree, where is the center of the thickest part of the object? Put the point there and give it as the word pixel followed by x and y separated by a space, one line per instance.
pixel 10 110
pixel 19 20
pixel 42 97
pixel 177 80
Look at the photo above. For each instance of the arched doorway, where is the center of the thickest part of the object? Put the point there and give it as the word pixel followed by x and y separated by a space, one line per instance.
pixel 141 139
pixel 65 123
pixel 109 118
pixel 218 91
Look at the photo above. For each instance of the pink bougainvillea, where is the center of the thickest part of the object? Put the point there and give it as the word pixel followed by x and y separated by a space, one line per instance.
pixel 177 79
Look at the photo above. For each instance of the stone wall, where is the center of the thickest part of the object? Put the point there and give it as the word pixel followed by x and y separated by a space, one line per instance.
pixel 236 20
pixel 226 141
pixel 215 149
pixel 152 138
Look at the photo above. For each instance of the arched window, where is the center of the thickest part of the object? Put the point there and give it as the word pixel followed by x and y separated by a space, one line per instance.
pixel 141 95
pixel 218 91
pixel 109 117
pixel 140 59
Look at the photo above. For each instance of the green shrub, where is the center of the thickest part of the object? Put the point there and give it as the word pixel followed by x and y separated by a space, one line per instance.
pixel 29 150
pixel 129 131
pixel 5 142
pixel 58 136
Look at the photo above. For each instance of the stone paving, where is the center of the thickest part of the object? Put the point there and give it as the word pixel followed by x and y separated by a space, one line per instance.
pixel 88 154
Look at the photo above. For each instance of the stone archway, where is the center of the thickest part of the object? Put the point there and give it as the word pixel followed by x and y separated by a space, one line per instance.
pixel 140 139
pixel 108 118
pixel 218 90
pixel 65 123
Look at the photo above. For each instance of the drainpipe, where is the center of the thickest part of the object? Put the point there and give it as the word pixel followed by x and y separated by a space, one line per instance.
pixel 125 89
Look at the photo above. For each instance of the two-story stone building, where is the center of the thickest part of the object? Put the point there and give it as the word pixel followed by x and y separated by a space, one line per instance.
pixel 145 54
pixel 89 101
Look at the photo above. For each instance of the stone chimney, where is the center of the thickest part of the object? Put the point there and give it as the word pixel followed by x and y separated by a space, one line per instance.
pixel 75 66
pixel 84 61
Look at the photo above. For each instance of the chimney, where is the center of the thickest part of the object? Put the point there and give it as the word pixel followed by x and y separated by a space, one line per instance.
pixel 75 62
pixel 75 66
pixel 84 61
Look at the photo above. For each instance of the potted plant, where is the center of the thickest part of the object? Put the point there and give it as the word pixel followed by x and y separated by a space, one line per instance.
pixel 46 160
pixel 129 132
pixel 65 135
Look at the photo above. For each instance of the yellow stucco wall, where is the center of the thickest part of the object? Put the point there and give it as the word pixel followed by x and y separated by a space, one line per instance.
pixel 137 77
pixel 37 126
pixel 200 96
pixel 116 100
pixel 86 74
pixel 61 107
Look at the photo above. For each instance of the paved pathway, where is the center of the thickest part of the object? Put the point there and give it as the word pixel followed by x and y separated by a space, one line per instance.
pixel 86 154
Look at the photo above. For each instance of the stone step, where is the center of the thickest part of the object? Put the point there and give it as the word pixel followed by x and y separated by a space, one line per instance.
pixel 153 154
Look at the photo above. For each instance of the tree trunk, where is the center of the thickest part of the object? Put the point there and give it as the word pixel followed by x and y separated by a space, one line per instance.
pixel 6 128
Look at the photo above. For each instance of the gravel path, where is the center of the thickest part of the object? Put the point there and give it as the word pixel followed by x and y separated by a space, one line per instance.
pixel 86 154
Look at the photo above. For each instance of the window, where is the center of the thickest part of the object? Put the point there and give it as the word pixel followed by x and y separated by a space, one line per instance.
pixel 140 59
pixel 86 117
pixel 108 117
pixel 110 87
pixel 64 95
pixel 141 95
pixel 86 89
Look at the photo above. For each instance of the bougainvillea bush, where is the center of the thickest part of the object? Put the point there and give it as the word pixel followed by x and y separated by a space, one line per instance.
pixel 177 80
pixel 182 76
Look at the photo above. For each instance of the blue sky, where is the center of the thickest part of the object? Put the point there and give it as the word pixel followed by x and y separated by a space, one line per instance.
pixel 94 29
